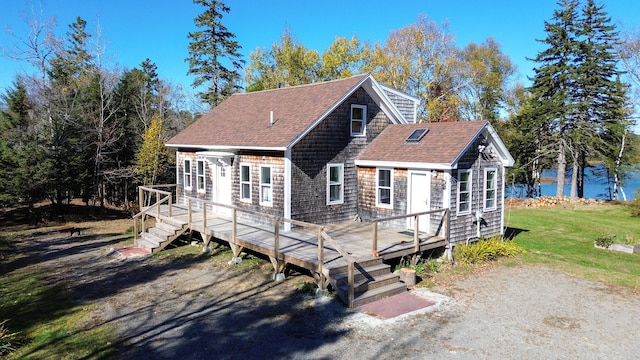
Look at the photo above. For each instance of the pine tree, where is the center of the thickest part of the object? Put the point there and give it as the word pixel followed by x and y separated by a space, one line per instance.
pixel 214 56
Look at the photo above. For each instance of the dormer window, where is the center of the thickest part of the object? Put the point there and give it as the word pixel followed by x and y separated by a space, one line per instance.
pixel 358 120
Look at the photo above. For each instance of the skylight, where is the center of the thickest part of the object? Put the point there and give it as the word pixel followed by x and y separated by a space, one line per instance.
pixel 417 135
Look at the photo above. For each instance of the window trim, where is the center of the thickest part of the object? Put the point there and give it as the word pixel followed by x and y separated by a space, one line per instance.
pixel 390 187
pixel 269 185
pixel 338 183
pixel 246 199
pixel 188 185
pixel 469 191
pixel 364 120
pixel 495 189
pixel 202 176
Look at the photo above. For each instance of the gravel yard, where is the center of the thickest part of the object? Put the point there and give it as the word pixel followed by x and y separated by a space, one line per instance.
pixel 192 307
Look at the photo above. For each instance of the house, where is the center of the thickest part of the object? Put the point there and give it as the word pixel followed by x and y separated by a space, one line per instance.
pixel 344 150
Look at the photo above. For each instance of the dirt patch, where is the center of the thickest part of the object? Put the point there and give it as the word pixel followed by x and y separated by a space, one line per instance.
pixel 195 306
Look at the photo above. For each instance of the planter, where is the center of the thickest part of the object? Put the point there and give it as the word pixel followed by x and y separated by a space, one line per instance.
pixel 408 277
pixel 630 249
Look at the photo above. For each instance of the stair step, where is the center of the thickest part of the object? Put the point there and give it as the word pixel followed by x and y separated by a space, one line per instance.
pixel 161 233
pixel 146 244
pixel 168 227
pixel 364 263
pixel 365 285
pixel 362 274
pixel 153 239
pixel 375 294
pixel 172 221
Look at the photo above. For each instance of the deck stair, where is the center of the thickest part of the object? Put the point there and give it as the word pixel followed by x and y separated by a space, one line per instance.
pixel 165 231
pixel 373 280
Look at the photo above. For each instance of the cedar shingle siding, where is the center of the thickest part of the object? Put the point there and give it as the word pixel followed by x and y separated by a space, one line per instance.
pixel 331 143
pixel 406 106
pixel 464 227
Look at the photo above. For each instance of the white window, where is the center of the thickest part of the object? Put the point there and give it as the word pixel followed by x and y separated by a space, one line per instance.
pixel 265 186
pixel 245 182
pixel 187 174
pixel 384 188
pixel 200 176
pixel 490 189
pixel 358 120
pixel 335 180
pixel 464 192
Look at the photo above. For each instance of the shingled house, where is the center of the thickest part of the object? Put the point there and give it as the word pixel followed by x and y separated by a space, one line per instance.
pixel 344 150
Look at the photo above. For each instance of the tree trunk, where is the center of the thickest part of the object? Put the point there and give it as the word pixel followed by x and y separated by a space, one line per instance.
pixel 562 166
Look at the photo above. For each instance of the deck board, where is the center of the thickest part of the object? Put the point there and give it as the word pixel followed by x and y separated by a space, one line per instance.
pixel 300 246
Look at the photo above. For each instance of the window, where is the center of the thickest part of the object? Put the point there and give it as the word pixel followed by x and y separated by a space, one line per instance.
pixel 384 191
pixel 464 192
pixel 187 174
pixel 200 176
pixel 335 178
pixel 245 182
pixel 265 186
pixel 417 135
pixel 490 189
pixel 358 120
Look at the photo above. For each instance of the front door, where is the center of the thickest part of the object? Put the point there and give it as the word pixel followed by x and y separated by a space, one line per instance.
pixel 221 187
pixel 419 199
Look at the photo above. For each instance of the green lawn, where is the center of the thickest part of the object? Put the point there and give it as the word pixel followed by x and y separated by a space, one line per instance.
pixel 563 238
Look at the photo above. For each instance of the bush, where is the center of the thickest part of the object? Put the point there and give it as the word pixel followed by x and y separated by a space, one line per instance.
pixel 485 250
pixel 7 340
pixel 605 240
pixel 635 205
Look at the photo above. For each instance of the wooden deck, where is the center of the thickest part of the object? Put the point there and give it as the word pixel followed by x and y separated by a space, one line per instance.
pixel 299 246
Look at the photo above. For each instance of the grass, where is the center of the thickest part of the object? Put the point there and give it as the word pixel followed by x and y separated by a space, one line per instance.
pixel 563 238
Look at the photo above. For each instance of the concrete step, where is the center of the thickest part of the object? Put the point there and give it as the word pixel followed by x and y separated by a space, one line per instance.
pixel 375 294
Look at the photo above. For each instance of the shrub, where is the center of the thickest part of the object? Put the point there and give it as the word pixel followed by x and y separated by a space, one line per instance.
pixel 7 340
pixel 605 240
pixel 486 250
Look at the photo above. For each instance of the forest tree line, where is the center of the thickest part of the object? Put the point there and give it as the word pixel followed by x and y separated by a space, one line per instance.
pixel 78 127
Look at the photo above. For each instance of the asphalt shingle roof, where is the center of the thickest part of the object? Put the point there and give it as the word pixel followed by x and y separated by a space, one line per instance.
pixel 441 145
pixel 243 119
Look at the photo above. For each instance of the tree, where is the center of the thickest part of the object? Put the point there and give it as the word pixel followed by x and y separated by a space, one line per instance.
pixel 152 159
pixel 486 71
pixel 214 56
pixel 550 103
pixel 421 60
pixel 343 58
pixel 288 63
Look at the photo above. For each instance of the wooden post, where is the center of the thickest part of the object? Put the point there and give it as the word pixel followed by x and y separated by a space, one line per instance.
pixel 189 212
pixel 276 239
pixel 170 196
pixel 140 198
pixel 416 240
pixel 234 228
pixel 320 251
pixel 374 245
pixel 351 284
pixel 135 229
pixel 447 214
pixel 204 217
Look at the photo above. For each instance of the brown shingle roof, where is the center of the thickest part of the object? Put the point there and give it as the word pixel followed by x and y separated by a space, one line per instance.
pixel 243 120
pixel 443 144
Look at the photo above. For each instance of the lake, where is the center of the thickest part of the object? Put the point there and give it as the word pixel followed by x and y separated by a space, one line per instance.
pixel 595 184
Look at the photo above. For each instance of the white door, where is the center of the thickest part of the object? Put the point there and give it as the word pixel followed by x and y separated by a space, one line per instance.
pixel 419 199
pixel 221 189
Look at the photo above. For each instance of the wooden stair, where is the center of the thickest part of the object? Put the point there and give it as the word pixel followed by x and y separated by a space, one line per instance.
pixel 162 234
pixel 373 280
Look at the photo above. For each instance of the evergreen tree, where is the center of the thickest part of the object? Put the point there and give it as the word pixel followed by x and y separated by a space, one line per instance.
pixel 552 83
pixel 214 56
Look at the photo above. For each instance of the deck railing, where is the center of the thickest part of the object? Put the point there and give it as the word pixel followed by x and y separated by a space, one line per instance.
pixel 145 197
pixel 322 236
pixel 416 227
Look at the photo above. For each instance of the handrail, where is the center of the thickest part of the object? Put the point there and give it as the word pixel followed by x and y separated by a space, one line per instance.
pixel 144 212
pixel 350 263
pixel 416 216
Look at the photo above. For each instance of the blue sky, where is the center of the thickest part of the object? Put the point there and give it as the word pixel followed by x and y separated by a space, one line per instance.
pixel 134 30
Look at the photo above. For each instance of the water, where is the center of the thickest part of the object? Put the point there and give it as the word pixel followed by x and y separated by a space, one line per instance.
pixel 595 184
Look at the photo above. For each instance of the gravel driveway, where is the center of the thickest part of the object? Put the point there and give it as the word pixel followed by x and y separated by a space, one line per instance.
pixel 193 307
